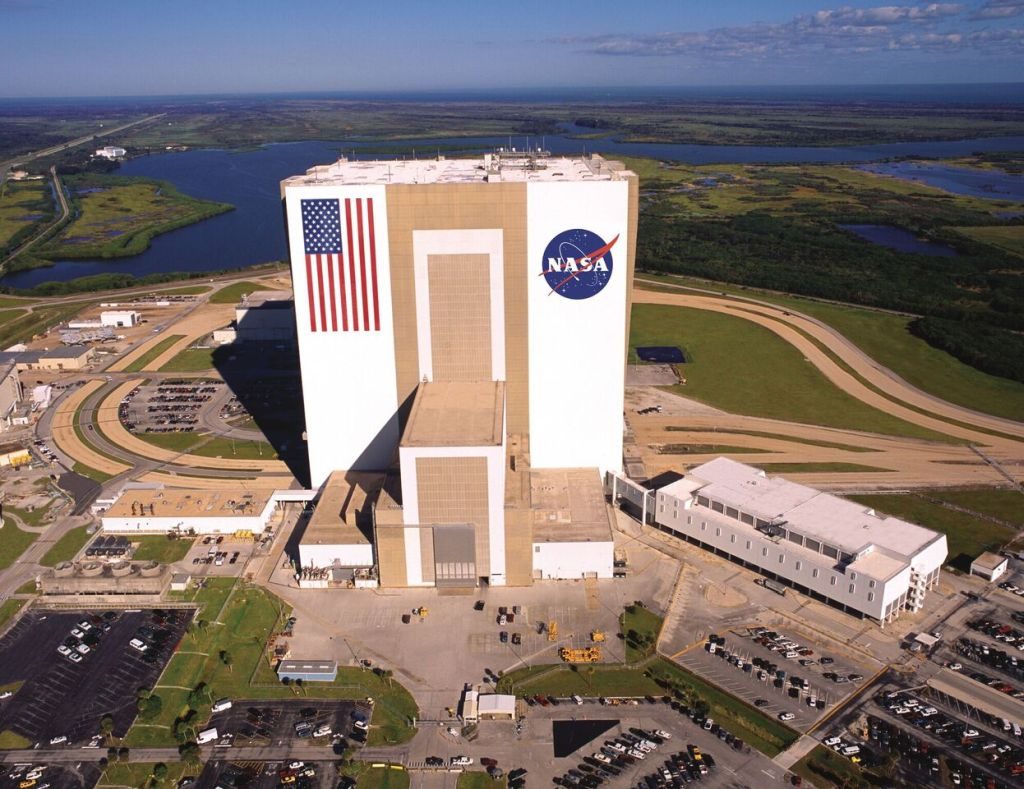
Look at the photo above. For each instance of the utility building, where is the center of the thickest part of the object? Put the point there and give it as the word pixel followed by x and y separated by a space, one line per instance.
pixel 462 327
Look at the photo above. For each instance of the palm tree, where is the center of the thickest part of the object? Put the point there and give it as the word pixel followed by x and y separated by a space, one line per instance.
pixel 225 658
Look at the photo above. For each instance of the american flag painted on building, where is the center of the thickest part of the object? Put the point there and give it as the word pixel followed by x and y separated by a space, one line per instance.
pixel 341 264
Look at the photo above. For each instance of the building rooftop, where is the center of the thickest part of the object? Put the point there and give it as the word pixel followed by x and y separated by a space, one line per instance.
pixel 568 505
pixel 490 168
pixel 342 515
pixel 268 299
pixel 844 524
pixel 463 414
pixel 307 666
pixel 987 561
pixel 189 503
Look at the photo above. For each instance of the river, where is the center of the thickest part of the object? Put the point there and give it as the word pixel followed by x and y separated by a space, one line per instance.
pixel 254 232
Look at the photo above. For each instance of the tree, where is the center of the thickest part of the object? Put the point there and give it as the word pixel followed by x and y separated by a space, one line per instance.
pixel 300 684
pixel 107 726
pixel 189 753
pixel 386 675
pixel 225 658
pixel 159 771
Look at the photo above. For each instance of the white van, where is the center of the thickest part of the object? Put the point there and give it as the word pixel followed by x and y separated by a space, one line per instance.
pixel 207 736
pixel 850 750
pixel 221 704
pixel 577 700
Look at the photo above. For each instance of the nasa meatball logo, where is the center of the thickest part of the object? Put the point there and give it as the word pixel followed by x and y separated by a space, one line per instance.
pixel 578 263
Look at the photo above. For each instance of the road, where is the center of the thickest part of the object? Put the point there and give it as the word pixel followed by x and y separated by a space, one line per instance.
pixel 65 212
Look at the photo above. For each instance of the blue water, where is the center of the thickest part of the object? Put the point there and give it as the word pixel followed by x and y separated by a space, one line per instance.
pixel 901 240
pixel 254 232
pixel 992 184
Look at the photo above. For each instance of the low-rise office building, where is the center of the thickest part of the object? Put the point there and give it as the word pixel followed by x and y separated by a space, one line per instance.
pixel 164 510
pixel 832 549
pixel 989 566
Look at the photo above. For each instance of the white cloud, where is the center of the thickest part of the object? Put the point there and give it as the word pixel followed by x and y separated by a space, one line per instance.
pixel 999 9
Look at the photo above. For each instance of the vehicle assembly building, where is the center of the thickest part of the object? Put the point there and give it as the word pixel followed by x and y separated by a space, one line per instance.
pixel 462 330
pixel 825 546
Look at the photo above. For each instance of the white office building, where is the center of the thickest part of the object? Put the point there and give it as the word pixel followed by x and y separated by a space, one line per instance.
pixel 832 549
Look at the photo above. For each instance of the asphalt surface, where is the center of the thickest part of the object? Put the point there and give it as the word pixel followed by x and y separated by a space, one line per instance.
pixel 61 698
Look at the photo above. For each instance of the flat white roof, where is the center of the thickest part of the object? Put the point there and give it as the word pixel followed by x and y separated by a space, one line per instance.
pixel 989 561
pixel 849 526
pixel 491 168
pixel 496 703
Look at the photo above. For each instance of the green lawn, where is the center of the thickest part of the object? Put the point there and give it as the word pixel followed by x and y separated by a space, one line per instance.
pixel 175 442
pixel 13 543
pixel 1003 503
pixel 478 779
pixel 190 360
pixel 369 777
pixel 744 368
pixel 10 741
pixel 188 290
pixel 8 609
pixel 640 627
pixel 706 449
pixel 29 587
pixel 6 316
pixel 810 468
pixel 781 437
pixel 885 338
pixel 153 353
pixel 33 518
pixel 160 549
pixel 231 294
pixel 239 621
pixel 825 767
pixel 966 535
pixel 210 446
pixel 94 474
pixel 119 774
pixel 66 547
pixel 757 729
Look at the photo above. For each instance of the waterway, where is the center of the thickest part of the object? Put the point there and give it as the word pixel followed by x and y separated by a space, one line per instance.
pixel 990 184
pixel 901 240
pixel 254 232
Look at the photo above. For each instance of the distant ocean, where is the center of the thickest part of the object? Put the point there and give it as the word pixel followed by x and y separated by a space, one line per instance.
pixel 984 93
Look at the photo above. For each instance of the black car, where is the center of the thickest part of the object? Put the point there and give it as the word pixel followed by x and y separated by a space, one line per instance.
pixel 434 761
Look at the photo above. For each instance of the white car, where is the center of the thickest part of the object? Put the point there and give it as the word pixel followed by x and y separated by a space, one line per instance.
pixel 64 650
pixel 137 644
pixel 84 649
pixel 296 765
pixel 637 754
pixel 6 694
pixel 786 716
pixel 602 758
pixel 831 742
pixel 58 740
pixel 84 625
pixel 77 633
pixel 364 725
pixel 618 747
pixel 322 731
pixel 74 657
pixel 663 734
pixel 460 761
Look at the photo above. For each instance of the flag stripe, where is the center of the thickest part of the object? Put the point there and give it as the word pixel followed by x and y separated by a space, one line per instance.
pixel 330 289
pixel 339 261
pixel 362 263
pixel 352 267
pixel 309 290
pixel 373 263
pixel 320 287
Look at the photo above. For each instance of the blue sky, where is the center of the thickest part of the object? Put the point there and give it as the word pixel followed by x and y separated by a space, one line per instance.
pixel 76 48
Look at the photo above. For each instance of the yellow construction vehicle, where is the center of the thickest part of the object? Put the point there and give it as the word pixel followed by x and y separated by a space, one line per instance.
pixel 597 636
pixel 583 655
pixel 552 630
pixel 421 612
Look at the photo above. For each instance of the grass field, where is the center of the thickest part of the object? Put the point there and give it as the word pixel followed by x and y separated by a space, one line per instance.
pixel 781 437
pixel 239 621
pixel 825 767
pixel 66 547
pixel 232 294
pixel 190 360
pixel 10 741
pixel 94 474
pixel 640 628
pixel 13 543
pixel 158 548
pixel 115 216
pixel 23 206
pixel 33 518
pixel 966 535
pixel 757 729
pixel 6 316
pixel 161 347
pixel 29 587
pixel 745 369
pixel 8 608
pixel 370 777
pixel 41 319
pixel 210 446
pixel 885 338
pixel 140 774
pixel 1007 237
pixel 810 468
pixel 705 449
pixel 1003 503
pixel 187 290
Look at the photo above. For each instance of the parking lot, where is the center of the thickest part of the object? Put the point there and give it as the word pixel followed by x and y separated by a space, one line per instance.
pixel 171 406
pixel 81 776
pixel 242 774
pixel 63 696
pixel 279 722
pixel 219 555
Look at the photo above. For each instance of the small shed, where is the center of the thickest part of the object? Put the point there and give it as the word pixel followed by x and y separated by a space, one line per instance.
pixel 496 707
pixel 470 711
pixel 180 581
pixel 308 670
pixel 989 566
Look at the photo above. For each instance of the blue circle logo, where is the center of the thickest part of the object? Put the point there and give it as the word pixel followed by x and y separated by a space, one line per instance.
pixel 577 263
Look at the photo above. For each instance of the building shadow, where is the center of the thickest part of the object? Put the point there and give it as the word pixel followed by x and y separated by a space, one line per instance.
pixel 265 379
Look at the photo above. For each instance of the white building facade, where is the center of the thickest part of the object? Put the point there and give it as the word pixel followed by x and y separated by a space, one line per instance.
pixel 830 548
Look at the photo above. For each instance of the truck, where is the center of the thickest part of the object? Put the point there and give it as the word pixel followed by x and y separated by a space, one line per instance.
pixel 773 586
pixel 208 735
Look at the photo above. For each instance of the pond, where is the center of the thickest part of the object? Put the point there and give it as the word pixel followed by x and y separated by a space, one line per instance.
pixel 901 240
